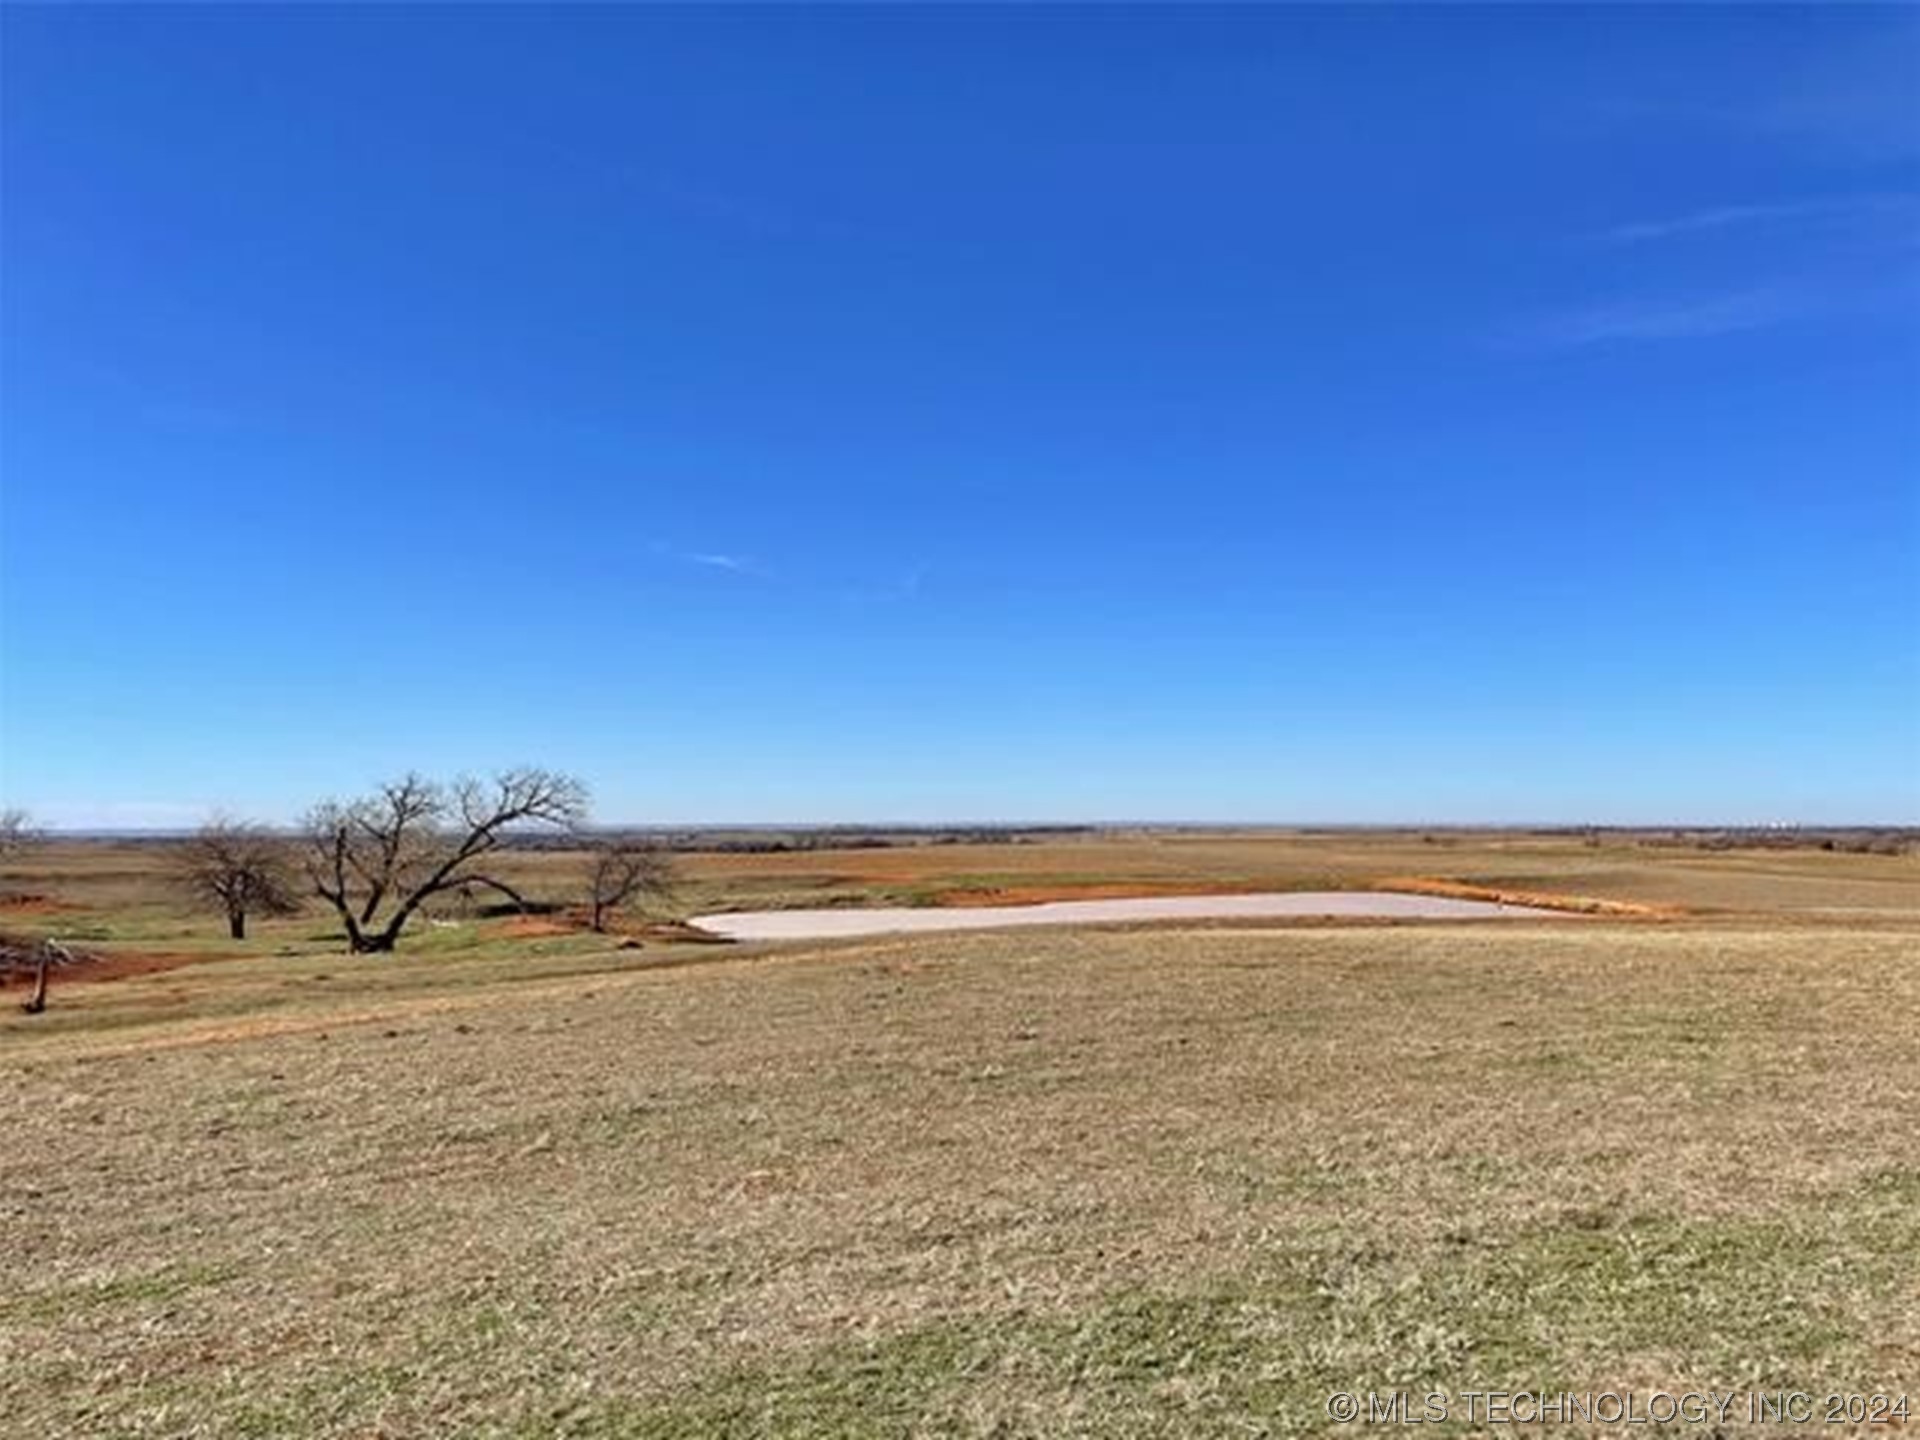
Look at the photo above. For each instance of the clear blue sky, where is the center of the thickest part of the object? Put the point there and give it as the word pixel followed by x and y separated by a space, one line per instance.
pixel 1287 414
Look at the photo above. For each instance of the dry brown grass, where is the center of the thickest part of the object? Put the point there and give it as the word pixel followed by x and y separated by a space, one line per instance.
pixel 122 888
pixel 1532 899
pixel 1160 1181
pixel 1725 882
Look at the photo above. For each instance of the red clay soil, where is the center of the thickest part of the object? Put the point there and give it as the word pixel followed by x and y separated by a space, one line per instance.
pixel 1537 899
pixel 969 898
pixel 123 966
pixel 89 967
pixel 534 927
pixel 14 904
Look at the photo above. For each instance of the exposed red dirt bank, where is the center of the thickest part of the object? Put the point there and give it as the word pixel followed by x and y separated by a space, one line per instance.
pixel 1534 899
pixel 14 904
pixel 88 967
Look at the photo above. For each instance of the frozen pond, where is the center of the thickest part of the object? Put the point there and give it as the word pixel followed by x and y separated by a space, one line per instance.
pixel 845 921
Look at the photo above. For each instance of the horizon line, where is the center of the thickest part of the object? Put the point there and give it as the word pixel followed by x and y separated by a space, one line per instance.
pixel 937 826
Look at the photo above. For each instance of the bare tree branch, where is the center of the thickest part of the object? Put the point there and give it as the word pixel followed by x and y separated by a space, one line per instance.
pixel 242 868
pixel 16 830
pixel 621 870
pixel 413 839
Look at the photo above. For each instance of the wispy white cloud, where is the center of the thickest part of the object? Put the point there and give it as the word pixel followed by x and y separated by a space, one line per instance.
pixel 901 585
pixel 710 559
pixel 1690 318
pixel 1727 217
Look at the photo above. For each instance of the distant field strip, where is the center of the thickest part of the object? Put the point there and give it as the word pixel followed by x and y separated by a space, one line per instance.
pixel 881 920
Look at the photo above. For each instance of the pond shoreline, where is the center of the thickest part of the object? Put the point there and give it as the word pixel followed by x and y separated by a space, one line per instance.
pixel 844 922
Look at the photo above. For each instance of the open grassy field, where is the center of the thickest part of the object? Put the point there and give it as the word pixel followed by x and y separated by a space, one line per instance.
pixel 1756 881
pixel 1131 1181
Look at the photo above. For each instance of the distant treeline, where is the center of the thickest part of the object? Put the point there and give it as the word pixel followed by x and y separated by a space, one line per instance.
pixel 1848 839
pixel 773 840
pixel 742 841
pixel 1865 840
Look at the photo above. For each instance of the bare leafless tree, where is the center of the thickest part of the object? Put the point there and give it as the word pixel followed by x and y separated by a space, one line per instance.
pixel 388 853
pixel 623 869
pixel 242 868
pixel 18 834
pixel 16 830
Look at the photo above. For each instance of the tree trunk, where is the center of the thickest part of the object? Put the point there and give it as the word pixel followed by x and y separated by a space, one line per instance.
pixel 38 1000
pixel 237 924
pixel 356 940
pixel 378 944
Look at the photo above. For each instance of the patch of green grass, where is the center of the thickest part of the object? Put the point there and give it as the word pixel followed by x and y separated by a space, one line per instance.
pixel 107 1299
pixel 1700 1302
